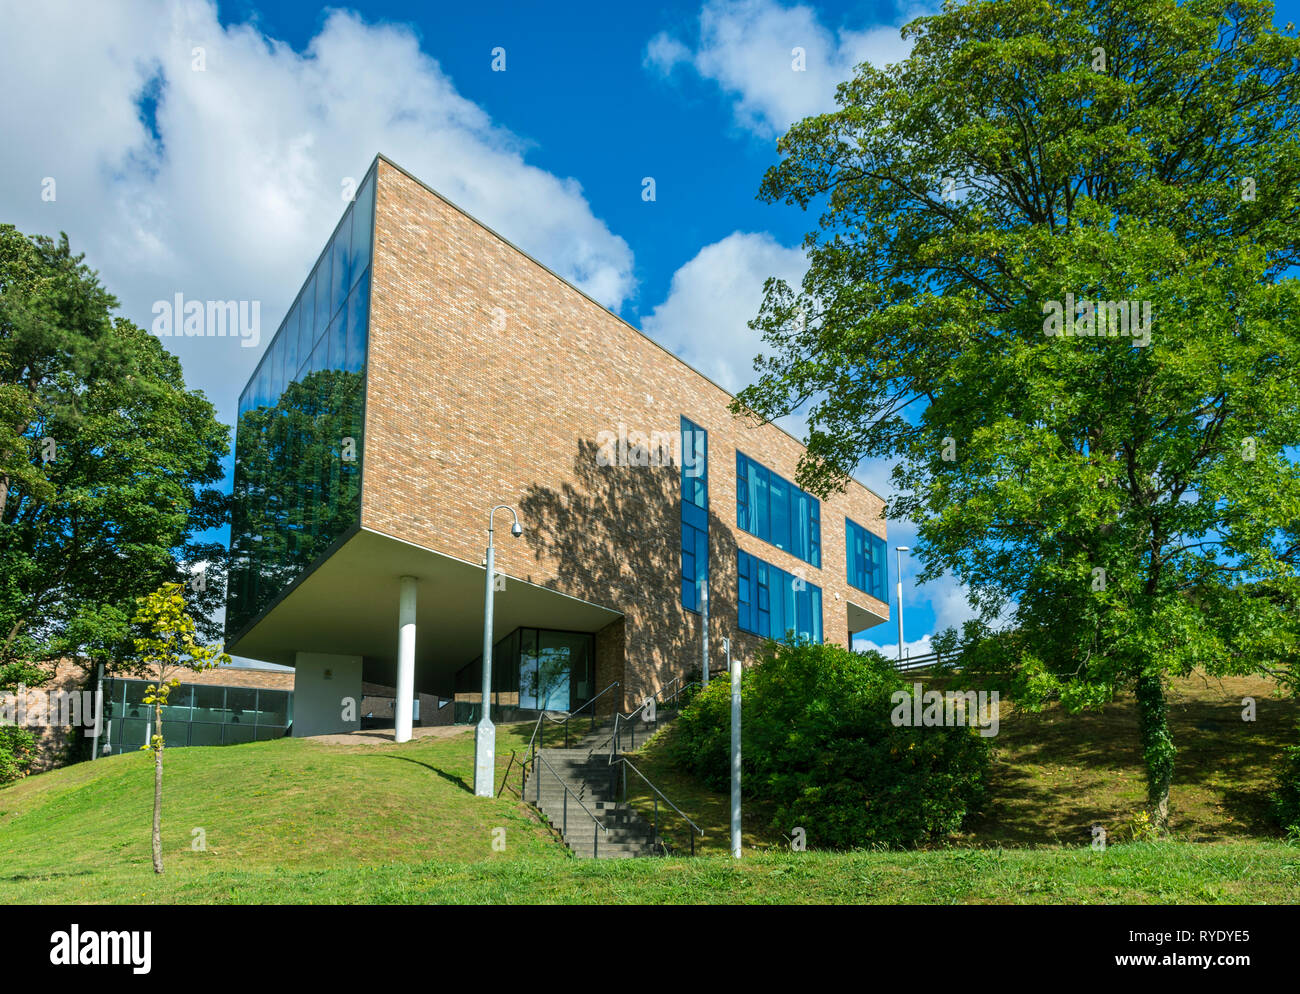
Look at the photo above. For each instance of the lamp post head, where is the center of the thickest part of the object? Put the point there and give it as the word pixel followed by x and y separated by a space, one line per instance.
pixel 517 529
pixel 902 548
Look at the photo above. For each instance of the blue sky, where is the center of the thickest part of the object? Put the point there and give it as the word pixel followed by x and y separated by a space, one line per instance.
pixel 223 183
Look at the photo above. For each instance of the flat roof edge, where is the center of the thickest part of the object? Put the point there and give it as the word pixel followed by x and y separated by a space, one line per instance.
pixel 380 157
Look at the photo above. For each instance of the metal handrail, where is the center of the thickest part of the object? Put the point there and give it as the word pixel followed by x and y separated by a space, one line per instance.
pixel 506 776
pixel 614 762
pixel 681 690
pixel 627 764
pixel 564 827
pixel 570 715
pixel 664 688
pixel 532 749
pixel 615 740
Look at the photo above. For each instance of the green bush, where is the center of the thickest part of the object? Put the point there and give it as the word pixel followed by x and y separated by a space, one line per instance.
pixel 16 745
pixel 1286 798
pixel 817 741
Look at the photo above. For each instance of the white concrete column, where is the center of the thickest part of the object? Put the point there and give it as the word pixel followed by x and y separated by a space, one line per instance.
pixel 405 660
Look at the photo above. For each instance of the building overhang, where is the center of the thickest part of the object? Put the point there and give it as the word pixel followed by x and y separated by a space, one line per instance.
pixel 348 605
pixel 868 614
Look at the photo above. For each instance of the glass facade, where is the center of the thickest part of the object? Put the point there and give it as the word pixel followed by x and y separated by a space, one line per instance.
pixel 772 508
pixel 695 513
pixel 197 715
pixel 298 442
pixel 533 669
pixel 868 560
pixel 774 603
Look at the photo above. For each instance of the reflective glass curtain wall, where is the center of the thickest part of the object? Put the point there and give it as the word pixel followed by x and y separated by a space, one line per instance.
pixel 773 602
pixel 770 507
pixel 868 560
pixel 298 443
pixel 695 513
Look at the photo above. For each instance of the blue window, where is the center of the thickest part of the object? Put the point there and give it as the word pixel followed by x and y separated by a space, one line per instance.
pixel 358 320
pixel 772 508
pixel 773 603
pixel 290 335
pixel 363 211
pixel 868 562
pixel 322 282
pixel 341 264
pixel 695 514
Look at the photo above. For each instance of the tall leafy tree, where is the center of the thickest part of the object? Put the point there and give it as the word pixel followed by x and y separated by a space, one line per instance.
pixel 107 464
pixel 1124 491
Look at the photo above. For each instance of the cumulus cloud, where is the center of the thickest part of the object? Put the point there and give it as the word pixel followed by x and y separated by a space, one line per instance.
pixel 753 51
pixel 704 319
pixel 194 158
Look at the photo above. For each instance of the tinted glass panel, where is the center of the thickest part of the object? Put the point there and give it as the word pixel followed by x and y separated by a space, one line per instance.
pixel 773 603
pixel 306 308
pixel 296 479
pixel 338 347
pixel 358 324
pixel 205 735
pixel 323 314
pixel 341 265
pixel 774 509
pixel 695 513
pixel 290 335
pixel 273 707
pixel 363 222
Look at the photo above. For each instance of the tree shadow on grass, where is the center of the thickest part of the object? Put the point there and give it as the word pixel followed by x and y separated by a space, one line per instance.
pixel 455 781
pixel 1056 775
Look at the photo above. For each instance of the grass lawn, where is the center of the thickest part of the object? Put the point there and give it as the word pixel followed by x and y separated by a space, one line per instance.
pixel 297 821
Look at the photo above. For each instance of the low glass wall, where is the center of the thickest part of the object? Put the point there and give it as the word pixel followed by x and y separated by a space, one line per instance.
pixel 197 715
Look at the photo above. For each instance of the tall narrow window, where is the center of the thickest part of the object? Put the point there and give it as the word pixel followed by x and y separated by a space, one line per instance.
pixel 695 513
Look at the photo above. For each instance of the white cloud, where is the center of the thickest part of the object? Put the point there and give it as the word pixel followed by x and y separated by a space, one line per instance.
pixel 242 185
pixel 711 299
pixel 911 649
pixel 747 47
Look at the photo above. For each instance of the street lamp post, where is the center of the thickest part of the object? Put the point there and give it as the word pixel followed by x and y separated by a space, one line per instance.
pixel 485 735
pixel 704 628
pixel 733 668
pixel 900 549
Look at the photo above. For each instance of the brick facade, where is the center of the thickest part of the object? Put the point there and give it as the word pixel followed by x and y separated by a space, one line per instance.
pixel 490 378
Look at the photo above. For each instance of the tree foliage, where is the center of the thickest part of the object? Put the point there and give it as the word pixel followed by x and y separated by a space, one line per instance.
pixel 1131 508
pixel 107 464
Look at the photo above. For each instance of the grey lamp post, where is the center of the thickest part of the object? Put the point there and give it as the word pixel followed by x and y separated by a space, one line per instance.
pixel 900 549
pixel 704 629
pixel 485 735
pixel 733 668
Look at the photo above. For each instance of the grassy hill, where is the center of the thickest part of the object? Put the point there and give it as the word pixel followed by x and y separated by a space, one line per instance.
pixel 301 821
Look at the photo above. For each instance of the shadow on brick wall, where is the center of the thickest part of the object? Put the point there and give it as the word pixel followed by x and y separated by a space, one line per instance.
pixel 616 536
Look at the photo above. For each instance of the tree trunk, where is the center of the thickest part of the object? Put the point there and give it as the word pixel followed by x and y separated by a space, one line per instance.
pixel 157 792
pixel 1157 748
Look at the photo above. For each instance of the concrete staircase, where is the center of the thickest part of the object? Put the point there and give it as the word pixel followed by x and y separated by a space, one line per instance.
pixel 585 769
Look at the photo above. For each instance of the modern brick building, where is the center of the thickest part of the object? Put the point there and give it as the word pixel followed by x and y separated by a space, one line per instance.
pixel 428 371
